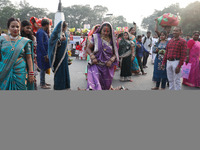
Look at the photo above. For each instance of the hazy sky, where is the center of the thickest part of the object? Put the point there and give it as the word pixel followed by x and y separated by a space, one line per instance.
pixel 132 10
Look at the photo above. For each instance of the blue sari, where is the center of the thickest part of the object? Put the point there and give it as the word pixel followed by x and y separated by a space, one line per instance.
pixel 58 58
pixel 13 71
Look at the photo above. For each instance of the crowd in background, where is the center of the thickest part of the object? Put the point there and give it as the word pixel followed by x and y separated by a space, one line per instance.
pixel 24 52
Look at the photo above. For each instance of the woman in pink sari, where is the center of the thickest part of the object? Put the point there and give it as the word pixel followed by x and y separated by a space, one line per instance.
pixel 193 57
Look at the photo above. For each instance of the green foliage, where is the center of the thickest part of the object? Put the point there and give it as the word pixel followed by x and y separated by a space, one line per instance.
pixel 149 22
pixel 190 17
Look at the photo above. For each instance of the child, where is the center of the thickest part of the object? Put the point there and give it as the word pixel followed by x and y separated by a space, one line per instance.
pixel 78 48
pixel 139 53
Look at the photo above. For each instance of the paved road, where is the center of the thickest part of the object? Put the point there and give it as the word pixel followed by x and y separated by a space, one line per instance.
pixel 77 76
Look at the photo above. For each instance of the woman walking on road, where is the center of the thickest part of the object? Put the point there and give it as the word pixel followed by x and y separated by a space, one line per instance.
pixel 127 55
pixel 103 56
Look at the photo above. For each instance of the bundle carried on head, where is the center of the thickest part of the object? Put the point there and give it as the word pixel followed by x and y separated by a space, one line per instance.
pixel 168 19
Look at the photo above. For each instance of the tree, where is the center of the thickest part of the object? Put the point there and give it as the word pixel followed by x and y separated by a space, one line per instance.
pixel 7 10
pixel 190 18
pixel 149 22
pixel 25 11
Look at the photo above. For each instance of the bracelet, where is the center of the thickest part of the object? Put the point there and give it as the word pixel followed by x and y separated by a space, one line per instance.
pixel 112 59
pixel 92 57
pixel 31 73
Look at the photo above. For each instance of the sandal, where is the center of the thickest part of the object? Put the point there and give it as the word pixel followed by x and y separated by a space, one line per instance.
pixel 45 87
pixel 155 88
pixel 47 84
pixel 144 73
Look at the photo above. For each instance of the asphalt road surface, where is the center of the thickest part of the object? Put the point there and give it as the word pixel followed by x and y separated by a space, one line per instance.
pixel 78 79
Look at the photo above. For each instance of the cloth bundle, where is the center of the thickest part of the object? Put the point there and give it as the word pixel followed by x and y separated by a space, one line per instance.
pixel 168 19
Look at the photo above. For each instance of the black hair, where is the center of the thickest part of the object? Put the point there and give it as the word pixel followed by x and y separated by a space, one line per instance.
pixel 195 32
pixel 148 32
pixel 130 29
pixel 128 35
pixel 45 22
pixel 165 33
pixel 25 23
pixel 64 24
pixel 178 28
pixel 23 34
pixel 120 35
pixel 11 20
pixel 138 37
pixel 106 24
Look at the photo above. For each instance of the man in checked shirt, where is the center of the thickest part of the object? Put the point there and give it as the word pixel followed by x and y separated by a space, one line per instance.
pixel 175 57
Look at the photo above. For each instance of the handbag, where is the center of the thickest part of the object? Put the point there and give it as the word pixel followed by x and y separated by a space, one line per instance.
pixel 186 70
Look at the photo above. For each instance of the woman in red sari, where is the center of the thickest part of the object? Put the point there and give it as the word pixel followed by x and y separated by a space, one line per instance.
pixel 193 57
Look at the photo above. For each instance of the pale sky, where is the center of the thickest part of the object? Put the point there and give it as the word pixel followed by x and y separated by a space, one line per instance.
pixel 132 10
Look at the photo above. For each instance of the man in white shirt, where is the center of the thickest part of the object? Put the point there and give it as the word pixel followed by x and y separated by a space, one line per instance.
pixel 3 33
pixel 147 42
pixel 154 40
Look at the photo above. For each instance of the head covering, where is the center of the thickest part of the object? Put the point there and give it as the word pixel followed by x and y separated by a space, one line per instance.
pixel 54 46
pixel 113 39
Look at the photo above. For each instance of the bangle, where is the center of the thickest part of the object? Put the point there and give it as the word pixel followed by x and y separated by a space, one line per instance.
pixel 31 73
pixel 92 57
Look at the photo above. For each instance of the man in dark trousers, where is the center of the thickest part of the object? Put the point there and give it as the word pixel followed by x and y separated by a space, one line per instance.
pixel 42 51
pixel 147 42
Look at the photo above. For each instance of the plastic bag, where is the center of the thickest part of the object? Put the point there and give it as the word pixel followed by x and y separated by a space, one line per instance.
pixel 185 72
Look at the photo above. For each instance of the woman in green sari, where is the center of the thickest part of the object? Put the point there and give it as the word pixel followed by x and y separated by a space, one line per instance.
pixel 16 60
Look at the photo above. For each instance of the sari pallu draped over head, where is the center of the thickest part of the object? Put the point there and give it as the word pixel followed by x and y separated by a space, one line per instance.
pixel 13 72
pixel 98 43
pixel 125 47
pixel 58 58
pixel 99 75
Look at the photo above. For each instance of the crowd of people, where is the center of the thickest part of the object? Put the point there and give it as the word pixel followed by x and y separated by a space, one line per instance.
pixel 24 53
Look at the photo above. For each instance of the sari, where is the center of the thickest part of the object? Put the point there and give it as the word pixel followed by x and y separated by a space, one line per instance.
pixel 58 58
pixel 99 75
pixel 125 53
pixel 194 59
pixel 14 71
pixel 135 65
pixel 88 42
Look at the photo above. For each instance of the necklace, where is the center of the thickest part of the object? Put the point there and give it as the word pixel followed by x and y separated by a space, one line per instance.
pixel 16 39
pixel 107 39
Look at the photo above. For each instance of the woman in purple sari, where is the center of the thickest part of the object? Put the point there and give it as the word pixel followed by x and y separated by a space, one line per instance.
pixel 103 56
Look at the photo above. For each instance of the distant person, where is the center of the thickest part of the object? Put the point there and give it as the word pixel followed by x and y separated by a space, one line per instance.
pixel 140 52
pixel 193 57
pixel 165 28
pixel 3 33
pixel 127 55
pixel 42 52
pixel 147 42
pixel 174 57
pixel 187 38
pixel 135 66
pixel 26 31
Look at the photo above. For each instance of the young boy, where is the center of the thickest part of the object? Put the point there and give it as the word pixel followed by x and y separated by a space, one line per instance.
pixel 139 53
